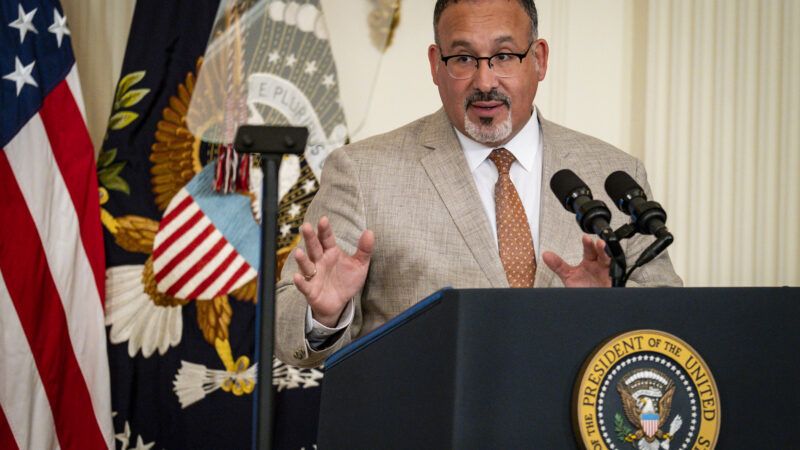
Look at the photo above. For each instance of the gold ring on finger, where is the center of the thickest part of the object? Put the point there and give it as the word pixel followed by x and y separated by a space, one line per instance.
pixel 309 277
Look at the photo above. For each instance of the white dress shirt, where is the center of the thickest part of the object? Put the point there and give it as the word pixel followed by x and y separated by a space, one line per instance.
pixel 526 174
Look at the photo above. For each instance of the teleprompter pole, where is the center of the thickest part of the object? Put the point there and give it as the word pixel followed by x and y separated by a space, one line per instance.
pixel 271 143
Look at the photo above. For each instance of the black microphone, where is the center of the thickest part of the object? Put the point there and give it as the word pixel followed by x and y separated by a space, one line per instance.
pixel 592 215
pixel 648 217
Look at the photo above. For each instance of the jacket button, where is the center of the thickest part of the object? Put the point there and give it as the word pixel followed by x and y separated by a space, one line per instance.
pixel 299 354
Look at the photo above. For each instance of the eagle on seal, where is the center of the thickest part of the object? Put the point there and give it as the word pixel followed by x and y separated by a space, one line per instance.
pixel 642 413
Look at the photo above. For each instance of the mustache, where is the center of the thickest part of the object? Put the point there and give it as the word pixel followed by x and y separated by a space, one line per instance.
pixel 492 96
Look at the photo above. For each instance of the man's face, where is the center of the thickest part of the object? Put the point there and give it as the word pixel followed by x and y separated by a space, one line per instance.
pixel 488 108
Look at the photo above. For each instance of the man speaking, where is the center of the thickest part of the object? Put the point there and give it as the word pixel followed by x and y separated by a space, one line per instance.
pixel 457 198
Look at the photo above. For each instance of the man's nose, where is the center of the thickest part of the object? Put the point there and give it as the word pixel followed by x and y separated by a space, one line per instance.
pixel 484 79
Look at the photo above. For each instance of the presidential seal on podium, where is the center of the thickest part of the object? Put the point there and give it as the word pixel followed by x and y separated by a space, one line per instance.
pixel 646 390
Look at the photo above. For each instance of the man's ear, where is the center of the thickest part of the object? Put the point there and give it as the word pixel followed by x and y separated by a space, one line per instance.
pixel 433 59
pixel 541 51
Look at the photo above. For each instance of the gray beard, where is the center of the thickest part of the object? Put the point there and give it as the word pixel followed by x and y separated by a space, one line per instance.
pixel 488 134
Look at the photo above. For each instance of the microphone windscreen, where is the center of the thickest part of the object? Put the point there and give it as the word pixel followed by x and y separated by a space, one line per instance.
pixel 564 183
pixel 618 184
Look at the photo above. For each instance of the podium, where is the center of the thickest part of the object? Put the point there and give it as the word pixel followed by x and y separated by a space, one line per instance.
pixel 498 368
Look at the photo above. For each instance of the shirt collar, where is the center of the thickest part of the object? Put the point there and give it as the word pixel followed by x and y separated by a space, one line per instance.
pixel 523 146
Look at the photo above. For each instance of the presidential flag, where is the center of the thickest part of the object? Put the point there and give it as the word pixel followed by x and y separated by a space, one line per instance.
pixel 181 248
pixel 147 157
pixel 54 378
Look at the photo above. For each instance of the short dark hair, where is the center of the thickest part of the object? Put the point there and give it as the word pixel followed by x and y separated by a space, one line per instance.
pixel 527 5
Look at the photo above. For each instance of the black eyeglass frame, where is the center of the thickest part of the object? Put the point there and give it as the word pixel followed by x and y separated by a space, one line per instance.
pixel 520 57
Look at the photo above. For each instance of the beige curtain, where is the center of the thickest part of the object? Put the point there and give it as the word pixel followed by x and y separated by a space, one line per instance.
pixel 99 31
pixel 722 131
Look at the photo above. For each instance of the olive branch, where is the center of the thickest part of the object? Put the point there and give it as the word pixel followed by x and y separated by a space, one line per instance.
pixel 621 428
pixel 125 98
pixel 107 170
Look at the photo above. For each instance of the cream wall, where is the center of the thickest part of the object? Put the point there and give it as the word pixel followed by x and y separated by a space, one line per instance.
pixel 587 83
pixel 403 90
pixel 705 92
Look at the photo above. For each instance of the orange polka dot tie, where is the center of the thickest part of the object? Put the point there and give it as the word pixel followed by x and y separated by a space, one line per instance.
pixel 513 231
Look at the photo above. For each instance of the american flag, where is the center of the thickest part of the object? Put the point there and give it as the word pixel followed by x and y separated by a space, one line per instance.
pixel 54 382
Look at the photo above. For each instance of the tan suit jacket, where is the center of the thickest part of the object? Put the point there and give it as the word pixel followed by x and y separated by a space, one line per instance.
pixel 412 187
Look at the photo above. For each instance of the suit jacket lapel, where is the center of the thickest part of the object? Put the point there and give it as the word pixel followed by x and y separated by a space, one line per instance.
pixel 447 168
pixel 558 230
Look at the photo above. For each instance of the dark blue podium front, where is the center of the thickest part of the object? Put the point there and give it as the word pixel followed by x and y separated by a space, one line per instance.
pixel 497 368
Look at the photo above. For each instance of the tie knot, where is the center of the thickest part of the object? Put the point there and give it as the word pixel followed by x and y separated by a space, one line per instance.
pixel 502 159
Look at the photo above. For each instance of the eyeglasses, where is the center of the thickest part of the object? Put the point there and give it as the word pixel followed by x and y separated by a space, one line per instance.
pixel 503 64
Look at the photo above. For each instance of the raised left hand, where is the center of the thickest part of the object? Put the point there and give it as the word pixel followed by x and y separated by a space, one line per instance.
pixel 592 271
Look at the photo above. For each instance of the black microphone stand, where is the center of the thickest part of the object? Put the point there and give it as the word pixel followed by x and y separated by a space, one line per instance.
pixel 663 240
pixel 616 271
pixel 593 216
pixel 627 231
pixel 271 143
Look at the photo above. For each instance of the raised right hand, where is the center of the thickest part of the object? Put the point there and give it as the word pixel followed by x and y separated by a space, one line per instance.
pixel 328 276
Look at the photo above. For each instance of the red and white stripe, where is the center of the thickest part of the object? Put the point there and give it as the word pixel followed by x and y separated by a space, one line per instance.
pixel 650 426
pixel 191 258
pixel 54 378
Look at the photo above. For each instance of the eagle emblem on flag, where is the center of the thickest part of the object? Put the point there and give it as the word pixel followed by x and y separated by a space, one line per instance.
pixel 201 233
pixel 139 310
pixel 181 210
pixel 204 247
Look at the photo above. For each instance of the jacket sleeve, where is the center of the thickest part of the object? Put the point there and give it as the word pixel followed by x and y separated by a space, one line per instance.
pixel 340 199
